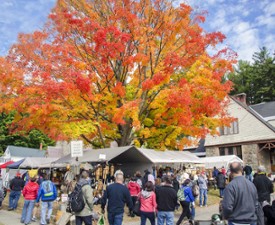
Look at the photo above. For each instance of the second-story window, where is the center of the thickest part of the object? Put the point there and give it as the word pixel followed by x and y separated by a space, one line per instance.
pixel 233 129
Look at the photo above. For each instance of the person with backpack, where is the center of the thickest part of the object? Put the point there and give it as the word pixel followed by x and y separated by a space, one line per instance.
pixel 16 186
pixel 47 193
pixel 186 198
pixel 221 181
pixel 29 192
pixel 148 204
pixel 82 200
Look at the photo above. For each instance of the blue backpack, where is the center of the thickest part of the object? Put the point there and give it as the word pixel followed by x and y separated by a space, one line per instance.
pixel 47 188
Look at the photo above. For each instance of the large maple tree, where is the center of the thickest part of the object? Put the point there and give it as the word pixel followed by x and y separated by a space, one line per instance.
pixel 119 70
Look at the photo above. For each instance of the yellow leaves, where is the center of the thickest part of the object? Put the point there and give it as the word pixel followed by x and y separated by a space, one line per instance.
pixel 148 122
pixel 77 128
pixel 145 133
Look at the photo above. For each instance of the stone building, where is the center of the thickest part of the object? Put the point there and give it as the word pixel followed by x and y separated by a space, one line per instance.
pixel 249 137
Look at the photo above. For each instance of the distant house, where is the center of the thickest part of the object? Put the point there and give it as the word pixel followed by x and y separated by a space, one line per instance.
pixel 266 110
pixel 250 136
pixel 16 153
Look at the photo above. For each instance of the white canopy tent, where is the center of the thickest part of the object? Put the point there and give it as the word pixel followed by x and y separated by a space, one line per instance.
pixel 153 156
pixel 36 162
pixel 167 157
pixel 219 161
pixel 130 158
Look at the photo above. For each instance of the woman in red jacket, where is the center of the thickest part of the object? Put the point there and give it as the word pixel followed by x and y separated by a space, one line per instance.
pixel 134 189
pixel 29 192
pixel 148 204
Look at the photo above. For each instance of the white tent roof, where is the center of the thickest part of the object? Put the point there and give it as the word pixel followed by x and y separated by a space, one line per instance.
pixel 36 162
pixel 220 161
pixel 169 156
pixel 93 155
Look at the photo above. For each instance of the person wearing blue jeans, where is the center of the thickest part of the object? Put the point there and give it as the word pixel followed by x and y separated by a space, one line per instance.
pixel 115 219
pixel 16 185
pixel 29 192
pixel 166 202
pixel 167 217
pixel 203 195
pixel 202 180
pixel 13 199
pixel 47 193
pixel 46 216
pixel 117 195
pixel 27 211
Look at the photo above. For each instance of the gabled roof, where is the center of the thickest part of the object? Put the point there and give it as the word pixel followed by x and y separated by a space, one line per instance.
pixel 254 113
pixel 92 155
pixel 265 109
pixel 16 151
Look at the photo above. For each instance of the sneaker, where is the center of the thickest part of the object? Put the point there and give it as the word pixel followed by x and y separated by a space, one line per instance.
pixel 200 205
pixel 48 221
pixel 10 209
pixel 205 205
pixel 34 219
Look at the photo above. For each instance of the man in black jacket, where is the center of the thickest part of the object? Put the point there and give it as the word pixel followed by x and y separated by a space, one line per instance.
pixel 117 195
pixel 166 201
pixel 263 185
pixel 269 212
pixel 16 186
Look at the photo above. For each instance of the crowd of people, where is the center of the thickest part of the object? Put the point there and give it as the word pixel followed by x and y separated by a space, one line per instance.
pixel 37 191
pixel 245 199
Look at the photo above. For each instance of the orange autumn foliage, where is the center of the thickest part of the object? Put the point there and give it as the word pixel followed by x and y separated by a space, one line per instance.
pixel 123 70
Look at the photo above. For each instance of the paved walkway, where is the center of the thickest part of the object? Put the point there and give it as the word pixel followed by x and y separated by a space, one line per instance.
pixel 13 218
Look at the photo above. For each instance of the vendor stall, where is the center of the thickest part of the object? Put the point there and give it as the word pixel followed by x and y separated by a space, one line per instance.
pixel 130 159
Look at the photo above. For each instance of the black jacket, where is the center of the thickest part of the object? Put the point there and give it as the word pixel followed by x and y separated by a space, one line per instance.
pixel 264 187
pixel 247 169
pixel 117 195
pixel 166 198
pixel 269 213
pixel 220 180
pixel 17 184
pixel 176 184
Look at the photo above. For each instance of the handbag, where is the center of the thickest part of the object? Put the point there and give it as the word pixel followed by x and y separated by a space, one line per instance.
pixel 136 209
pixel 101 220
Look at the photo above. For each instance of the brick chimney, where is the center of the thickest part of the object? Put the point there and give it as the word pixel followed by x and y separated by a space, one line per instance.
pixel 241 98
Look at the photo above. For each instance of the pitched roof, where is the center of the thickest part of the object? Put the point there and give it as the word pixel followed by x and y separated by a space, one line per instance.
pixel 92 155
pixel 25 152
pixel 251 111
pixel 265 109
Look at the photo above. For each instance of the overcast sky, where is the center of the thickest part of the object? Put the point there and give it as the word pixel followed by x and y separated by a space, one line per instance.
pixel 247 24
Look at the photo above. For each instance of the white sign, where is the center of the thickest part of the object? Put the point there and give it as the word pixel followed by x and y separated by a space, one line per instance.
pixel 102 156
pixel 76 148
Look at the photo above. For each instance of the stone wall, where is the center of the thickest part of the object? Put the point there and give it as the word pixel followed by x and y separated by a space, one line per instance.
pixel 250 157
pixel 212 151
pixel 253 157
